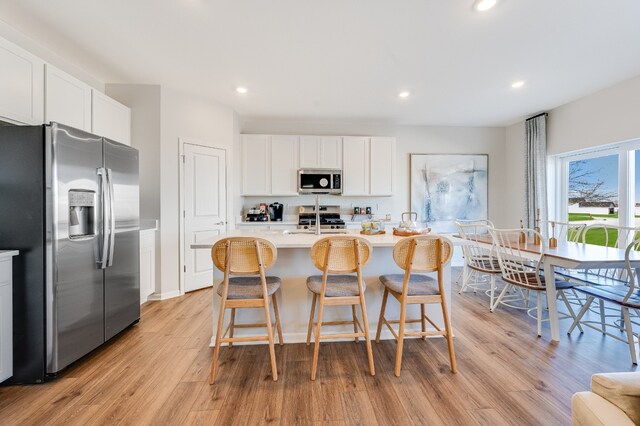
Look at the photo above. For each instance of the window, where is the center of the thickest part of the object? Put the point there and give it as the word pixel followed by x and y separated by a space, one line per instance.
pixel 597 186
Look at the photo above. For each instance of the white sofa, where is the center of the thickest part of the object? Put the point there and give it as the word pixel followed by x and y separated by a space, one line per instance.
pixel 614 400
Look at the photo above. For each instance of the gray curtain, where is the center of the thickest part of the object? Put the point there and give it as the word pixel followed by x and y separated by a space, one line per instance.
pixel 535 170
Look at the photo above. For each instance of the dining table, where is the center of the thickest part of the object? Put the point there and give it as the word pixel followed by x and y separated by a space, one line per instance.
pixel 567 255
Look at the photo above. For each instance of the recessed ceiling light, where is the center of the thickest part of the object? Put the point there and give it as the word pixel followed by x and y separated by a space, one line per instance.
pixel 404 94
pixel 241 89
pixel 517 84
pixel 482 5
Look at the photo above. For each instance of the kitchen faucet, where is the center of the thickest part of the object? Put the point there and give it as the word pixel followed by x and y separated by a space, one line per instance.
pixel 317 214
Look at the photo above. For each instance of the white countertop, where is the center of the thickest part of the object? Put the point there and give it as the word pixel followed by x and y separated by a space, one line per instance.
pixel 8 253
pixel 282 239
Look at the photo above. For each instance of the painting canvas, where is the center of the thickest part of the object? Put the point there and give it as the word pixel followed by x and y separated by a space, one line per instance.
pixel 448 187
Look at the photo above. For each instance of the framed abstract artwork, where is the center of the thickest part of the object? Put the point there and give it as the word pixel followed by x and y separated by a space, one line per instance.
pixel 446 187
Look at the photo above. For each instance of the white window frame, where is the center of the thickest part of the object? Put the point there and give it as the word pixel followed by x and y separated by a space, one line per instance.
pixel 558 179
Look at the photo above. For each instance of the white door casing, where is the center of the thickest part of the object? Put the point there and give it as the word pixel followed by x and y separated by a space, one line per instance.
pixel 204 212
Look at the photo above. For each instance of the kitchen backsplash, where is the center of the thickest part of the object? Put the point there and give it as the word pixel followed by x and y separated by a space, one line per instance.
pixel 380 206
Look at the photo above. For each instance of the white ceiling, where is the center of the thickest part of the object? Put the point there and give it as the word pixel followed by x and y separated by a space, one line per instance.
pixel 347 60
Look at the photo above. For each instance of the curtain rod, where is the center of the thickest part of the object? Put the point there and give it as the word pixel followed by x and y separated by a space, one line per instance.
pixel 536 116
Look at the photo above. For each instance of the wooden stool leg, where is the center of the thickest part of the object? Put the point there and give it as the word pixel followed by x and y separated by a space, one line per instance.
pixel 424 321
pixel 232 324
pixel 313 310
pixel 355 323
pixel 216 350
pixel 382 308
pixel 365 325
pixel 272 352
pixel 316 346
pixel 447 327
pixel 403 317
pixel 277 315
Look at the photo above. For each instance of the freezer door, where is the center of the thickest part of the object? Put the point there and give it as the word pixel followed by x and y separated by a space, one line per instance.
pixel 75 293
pixel 122 276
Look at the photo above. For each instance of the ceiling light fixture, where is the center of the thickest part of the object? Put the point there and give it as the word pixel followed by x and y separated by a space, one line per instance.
pixel 404 94
pixel 517 84
pixel 241 90
pixel 483 5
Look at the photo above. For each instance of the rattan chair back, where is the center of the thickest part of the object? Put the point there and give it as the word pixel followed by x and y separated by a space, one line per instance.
pixel 342 256
pixel 421 253
pixel 243 255
pixel 518 269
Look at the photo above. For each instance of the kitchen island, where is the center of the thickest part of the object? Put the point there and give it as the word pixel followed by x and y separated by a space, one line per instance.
pixel 293 265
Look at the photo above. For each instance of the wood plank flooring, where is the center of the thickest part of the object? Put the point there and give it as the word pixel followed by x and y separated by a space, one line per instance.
pixel 156 373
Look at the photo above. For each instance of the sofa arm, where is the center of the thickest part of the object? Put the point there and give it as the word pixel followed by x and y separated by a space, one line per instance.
pixel 589 409
pixel 621 389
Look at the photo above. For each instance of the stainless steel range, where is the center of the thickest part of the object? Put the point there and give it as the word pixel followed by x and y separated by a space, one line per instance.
pixel 329 217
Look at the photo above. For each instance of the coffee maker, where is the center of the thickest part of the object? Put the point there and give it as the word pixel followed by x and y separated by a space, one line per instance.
pixel 276 211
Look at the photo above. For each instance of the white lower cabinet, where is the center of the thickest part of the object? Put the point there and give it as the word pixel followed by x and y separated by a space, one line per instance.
pixel 147 264
pixel 6 319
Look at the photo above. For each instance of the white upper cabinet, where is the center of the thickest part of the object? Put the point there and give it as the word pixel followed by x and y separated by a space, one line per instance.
pixel 355 170
pixel 269 165
pixel 309 152
pixel 67 100
pixel 382 165
pixel 368 166
pixel 323 152
pixel 110 118
pixel 256 165
pixel 331 152
pixel 284 165
pixel 21 85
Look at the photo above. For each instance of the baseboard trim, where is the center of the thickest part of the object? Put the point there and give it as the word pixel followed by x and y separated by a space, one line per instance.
pixel 164 296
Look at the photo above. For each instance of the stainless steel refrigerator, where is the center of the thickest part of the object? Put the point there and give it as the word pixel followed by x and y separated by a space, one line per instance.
pixel 69 201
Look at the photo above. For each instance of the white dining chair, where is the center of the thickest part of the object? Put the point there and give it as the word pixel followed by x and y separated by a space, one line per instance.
pixel 625 295
pixel 480 263
pixel 525 271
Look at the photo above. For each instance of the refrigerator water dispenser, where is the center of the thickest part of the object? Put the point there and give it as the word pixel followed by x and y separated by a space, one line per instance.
pixel 82 214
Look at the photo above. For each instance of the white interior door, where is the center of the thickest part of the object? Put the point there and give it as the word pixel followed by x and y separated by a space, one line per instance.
pixel 205 209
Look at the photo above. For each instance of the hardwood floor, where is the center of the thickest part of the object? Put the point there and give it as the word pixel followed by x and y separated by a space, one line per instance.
pixel 156 373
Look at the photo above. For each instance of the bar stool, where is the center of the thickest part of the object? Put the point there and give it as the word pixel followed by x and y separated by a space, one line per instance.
pixel 246 256
pixel 339 255
pixel 425 253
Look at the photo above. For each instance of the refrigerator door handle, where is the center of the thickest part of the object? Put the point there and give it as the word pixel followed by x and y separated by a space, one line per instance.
pixel 102 172
pixel 112 218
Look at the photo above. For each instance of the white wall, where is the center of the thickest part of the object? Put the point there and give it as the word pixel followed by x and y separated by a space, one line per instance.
pixel 144 101
pixel 409 139
pixel 199 119
pixel 513 185
pixel 17 37
pixel 160 118
pixel 605 117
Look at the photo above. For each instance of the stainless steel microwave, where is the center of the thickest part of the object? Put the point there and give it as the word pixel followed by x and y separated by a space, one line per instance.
pixel 320 181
